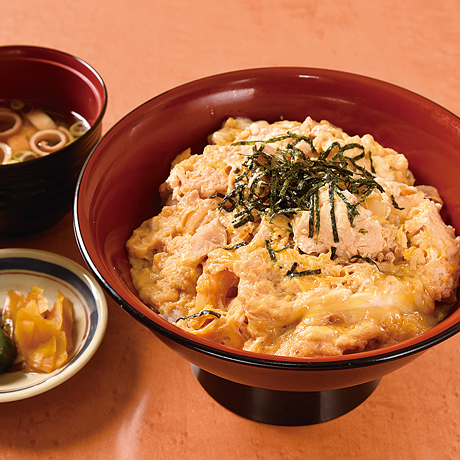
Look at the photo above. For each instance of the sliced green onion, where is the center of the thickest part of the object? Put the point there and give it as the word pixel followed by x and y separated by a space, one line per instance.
pixel 79 128
pixel 24 155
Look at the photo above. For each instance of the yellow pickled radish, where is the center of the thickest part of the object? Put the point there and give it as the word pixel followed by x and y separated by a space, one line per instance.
pixel 43 335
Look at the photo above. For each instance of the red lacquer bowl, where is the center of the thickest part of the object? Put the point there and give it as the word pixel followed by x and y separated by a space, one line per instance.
pixel 118 189
pixel 36 194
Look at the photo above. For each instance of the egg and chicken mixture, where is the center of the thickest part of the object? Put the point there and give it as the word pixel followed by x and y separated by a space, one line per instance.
pixel 296 239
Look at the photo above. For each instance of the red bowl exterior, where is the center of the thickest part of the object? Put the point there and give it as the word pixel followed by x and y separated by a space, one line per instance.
pixel 36 194
pixel 118 189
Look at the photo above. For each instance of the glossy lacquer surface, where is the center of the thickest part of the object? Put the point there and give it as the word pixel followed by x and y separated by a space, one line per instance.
pixel 149 402
pixel 133 159
pixel 36 194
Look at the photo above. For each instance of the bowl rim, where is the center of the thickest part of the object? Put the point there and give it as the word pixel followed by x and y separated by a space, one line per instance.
pixel 57 266
pixel 404 349
pixel 38 52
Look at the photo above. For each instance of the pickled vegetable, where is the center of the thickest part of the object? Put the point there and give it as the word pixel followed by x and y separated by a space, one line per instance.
pixel 43 335
pixel 8 351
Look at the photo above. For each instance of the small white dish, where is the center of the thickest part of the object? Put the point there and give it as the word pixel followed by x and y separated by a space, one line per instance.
pixel 21 269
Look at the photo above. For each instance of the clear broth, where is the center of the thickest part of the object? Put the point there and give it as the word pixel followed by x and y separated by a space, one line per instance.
pixel 28 131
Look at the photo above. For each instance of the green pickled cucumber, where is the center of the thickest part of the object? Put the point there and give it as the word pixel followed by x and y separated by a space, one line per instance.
pixel 8 351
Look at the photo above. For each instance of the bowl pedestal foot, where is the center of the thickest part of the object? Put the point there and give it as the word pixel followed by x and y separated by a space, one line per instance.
pixel 283 408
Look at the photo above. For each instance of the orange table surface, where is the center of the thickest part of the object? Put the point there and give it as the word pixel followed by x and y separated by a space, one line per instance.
pixel 136 399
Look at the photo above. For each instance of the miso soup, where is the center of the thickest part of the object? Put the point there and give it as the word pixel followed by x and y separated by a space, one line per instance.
pixel 28 131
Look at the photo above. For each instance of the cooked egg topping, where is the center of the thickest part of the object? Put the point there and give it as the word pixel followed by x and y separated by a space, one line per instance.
pixel 296 239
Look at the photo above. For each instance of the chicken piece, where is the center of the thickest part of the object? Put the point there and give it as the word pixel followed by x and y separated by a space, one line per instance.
pixel 434 251
pixel 364 237
pixel 215 175
pixel 208 237
pixel 431 193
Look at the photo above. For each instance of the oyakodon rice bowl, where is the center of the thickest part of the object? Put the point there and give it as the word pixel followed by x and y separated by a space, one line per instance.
pixel 295 239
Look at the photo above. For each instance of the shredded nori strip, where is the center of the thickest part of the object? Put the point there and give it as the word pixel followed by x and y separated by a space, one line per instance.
pixel 217 194
pixel 197 315
pixel 289 182
pixel 372 162
pixel 270 251
pixel 292 271
pixel 335 232
pixel 236 246
pixel 366 259
pixel 287 246
pixel 333 252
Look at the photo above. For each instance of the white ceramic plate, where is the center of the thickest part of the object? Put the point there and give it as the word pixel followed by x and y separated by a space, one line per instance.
pixel 21 269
